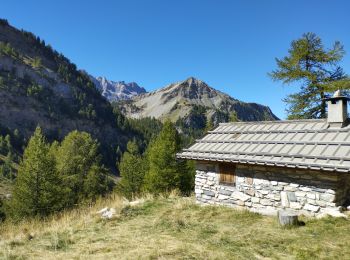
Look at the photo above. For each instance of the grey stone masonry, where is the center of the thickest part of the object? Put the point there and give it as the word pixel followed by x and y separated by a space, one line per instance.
pixel 266 189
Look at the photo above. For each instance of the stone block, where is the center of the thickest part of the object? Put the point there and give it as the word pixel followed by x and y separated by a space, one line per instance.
pixel 294 185
pixel 240 203
pixel 211 174
pixel 331 204
pixel 257 205
pixel 240 196
pixel 289 188
pixel 312 202
pixel 277 197
pixel 248 204
pixel 321 203
pixel 198 191
pixel 210 183
pixel 310 195
pixel 225 192
pixel 259 195
pixel 311 208
pixel 255 200
pixel 334 213
pixel 306 189
pixel 270 196
pixel 223 197
pixel 317 196
pixel 240 179
pixel 282 183
pixel 277 188
pixel 295 205
pixel 264 192
pixel 300 194
pixel 284 199
pixel 291 196
pixel 327 197
pixel 228 188
pixel 266 202
pixel 273 183
pixel 250 192
pixel 209 193
pixel 330 191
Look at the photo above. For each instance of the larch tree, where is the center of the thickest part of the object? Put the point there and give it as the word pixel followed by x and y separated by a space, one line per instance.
pixel 78 162
pixel 165 172
pixel 132 169
pixel 37 191
pixel 316 70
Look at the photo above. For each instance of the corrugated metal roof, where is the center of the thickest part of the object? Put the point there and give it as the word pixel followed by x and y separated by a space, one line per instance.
pixel 307 144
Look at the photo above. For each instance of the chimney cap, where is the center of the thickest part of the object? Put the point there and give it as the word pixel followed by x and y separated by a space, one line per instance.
pixel 338 95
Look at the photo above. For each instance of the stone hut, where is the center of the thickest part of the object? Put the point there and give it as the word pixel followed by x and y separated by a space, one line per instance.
pixel 303 165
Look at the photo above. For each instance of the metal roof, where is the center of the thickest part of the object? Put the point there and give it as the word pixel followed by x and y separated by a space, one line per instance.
pixel 306 144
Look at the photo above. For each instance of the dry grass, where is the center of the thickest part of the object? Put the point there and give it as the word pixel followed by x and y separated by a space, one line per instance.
pixel 172 228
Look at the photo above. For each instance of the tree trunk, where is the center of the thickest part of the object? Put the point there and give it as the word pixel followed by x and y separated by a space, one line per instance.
pixel 287 218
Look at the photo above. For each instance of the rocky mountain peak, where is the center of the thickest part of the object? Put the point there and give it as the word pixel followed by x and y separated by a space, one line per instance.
pixel 178 100
pixel 117 90
pixel 192 88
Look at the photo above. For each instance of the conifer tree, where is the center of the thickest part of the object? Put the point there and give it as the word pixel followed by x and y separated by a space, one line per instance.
pixel 316 69
pixel 37 191
pixel 132 169
pixel 165 172
pixel 233 117
pixel 78 160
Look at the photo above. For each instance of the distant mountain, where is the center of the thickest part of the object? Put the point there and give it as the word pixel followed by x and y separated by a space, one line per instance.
pixel 186 99
pixel 116 90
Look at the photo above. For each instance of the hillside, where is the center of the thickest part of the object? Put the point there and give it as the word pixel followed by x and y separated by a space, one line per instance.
pixel 39 86
pixel 172 228
pixel 116 90
pixel 179 100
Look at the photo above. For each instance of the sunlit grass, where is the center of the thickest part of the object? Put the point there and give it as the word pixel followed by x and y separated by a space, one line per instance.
pixel 172 227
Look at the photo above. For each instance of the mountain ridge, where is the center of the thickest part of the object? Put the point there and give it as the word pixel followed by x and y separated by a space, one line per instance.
pixel 39 86
pixel 176 100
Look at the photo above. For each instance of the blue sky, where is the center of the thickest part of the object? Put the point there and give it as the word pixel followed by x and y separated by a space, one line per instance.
pixel 229 44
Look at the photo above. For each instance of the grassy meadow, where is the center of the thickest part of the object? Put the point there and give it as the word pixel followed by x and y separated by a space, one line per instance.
pixel 172 228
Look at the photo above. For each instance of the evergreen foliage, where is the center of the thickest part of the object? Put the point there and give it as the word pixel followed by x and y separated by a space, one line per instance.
pixel 316 69
pixel 78 162
pixel 2 211
pixel 233 117
pixel 165 172
pixel 37 191
pixel 132 169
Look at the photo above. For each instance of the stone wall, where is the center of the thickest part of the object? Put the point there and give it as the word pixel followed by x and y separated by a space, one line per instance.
pixel 267 189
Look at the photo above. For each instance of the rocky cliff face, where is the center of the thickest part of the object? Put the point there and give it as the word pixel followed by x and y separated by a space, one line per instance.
pixel 39 86
pixel 117 90
pixel 181 99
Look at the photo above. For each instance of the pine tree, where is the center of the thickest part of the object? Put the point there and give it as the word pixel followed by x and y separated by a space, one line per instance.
pixel 132 169
pixel 37 189
pixel 318 72
pixel 165 172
